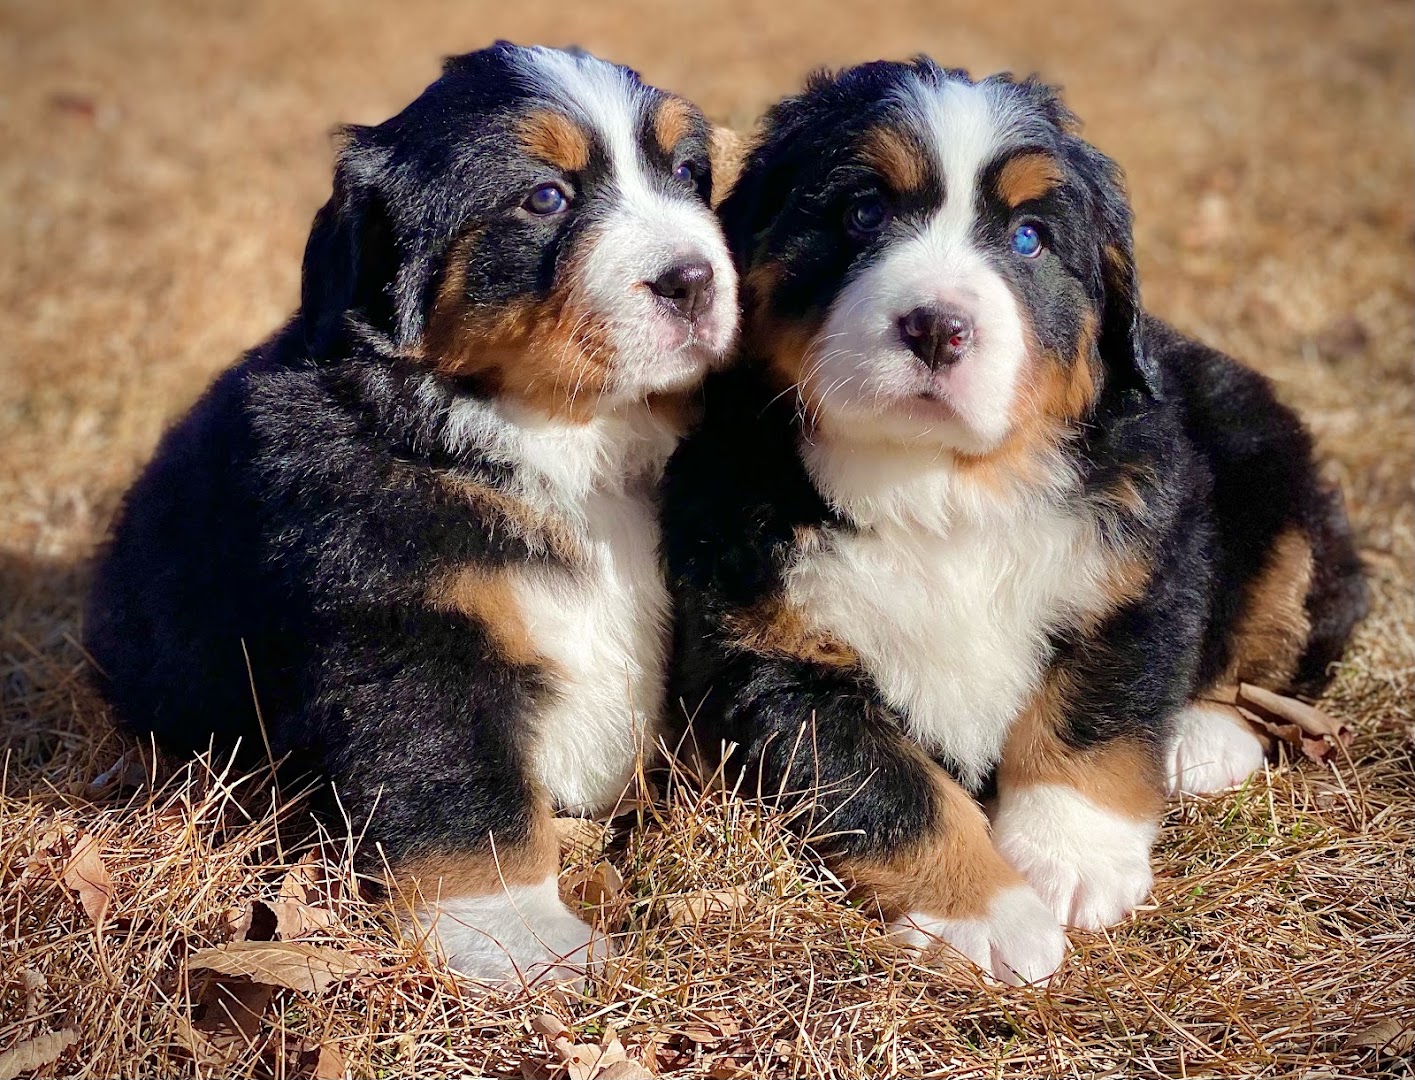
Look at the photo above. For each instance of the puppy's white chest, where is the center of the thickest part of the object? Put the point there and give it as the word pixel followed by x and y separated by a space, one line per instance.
pixel 603 630
pixel 953 624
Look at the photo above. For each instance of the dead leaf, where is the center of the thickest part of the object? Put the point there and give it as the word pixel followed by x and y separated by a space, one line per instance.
pixel 32 984
pixel 87 876
pixel 594 886
pixel 35 1053
pixel 625 1070
pixel 713 1026
pixel 694 907
pixel 578 1061
pixel 294 919
pixel 310 881
pixel 1387 1037
pixel 1308 717
pixel 331 1064
pixel 579 837
pixel 1296 723
pixel 215 1052
pixel 233 1006
pixel 310 969
pixel 549 1026
pixel 254 922
pixel 126 772
pixel 729 1069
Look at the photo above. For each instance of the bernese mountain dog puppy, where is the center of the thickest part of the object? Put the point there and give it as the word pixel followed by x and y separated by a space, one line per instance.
pixel 965 525
pixel 414 539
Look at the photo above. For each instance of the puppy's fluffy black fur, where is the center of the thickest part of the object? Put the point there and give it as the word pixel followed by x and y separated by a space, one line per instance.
pixel 1169 477
pixel 356 529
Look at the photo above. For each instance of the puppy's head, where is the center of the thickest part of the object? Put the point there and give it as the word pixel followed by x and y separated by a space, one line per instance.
pixel 536 223
pixel 935 260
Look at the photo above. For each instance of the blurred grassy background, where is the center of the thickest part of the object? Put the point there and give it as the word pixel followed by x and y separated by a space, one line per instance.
pixel 162 161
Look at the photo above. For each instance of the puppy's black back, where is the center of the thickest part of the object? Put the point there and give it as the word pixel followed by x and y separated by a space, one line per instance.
pixel 177 601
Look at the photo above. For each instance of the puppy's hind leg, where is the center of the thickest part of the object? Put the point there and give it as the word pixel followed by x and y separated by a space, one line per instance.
pixel 1210 748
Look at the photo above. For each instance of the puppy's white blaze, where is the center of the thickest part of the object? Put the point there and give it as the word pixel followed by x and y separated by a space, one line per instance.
pixel 965 126
pixel 1017 941
pixel 1091 866
pixel 946 594
pixel 1210 749
pixel 523 932
pixel 860 367
pixel 643 234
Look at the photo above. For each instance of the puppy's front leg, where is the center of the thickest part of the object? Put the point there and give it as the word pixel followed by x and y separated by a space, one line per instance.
pixel 945 884
pixel 1079 805
pixel 494 909
pixel 901 832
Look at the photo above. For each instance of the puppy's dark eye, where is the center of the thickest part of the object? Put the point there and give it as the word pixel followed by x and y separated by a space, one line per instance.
pixel 546 200
pixel 866 216
pixel 1027 241
pixel 685 172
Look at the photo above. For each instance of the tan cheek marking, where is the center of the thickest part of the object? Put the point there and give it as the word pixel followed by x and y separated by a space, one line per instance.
pixel 1026 177
pixel 758 285
pixel 1066 389
pixel 1119 775
pixel 1272 630
pixel 727 152
pixel 775 628
pixel 784 345
pixel 487 597
pixel 527 861
pixel 548 353
pixel 1057 394
pixel 897 159
pixel 672 123
pixel 555 139
pixel 952 873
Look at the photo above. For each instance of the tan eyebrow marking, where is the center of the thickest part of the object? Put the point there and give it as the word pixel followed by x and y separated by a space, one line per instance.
pixel 896 157
pixel 555 139
pixel 672 122
pixel 1027 176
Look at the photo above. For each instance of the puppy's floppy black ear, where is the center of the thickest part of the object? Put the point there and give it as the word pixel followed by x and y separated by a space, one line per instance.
pixel 351 258
pixel 765 181
pixel 1121 344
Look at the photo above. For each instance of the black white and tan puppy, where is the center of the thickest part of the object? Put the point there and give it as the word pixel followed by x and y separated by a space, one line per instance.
pixel 966 524
pixel 419 526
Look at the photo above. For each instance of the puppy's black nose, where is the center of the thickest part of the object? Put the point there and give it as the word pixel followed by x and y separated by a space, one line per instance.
pixel 939 336
pixel 686 287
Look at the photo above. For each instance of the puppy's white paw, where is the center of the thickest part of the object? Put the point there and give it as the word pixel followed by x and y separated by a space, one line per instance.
pixel 1017 941
pixel 1090 866
pixel 522 934
pixel 1210 749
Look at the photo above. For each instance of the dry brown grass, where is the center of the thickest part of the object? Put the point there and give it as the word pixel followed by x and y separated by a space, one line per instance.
pixel 162 161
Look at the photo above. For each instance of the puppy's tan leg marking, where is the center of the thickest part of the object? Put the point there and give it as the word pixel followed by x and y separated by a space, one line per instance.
pixel 1078 823
pixel 1273 627
pixel 951 888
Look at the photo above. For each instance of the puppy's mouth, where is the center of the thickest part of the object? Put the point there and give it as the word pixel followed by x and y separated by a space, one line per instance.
pixel 932 404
